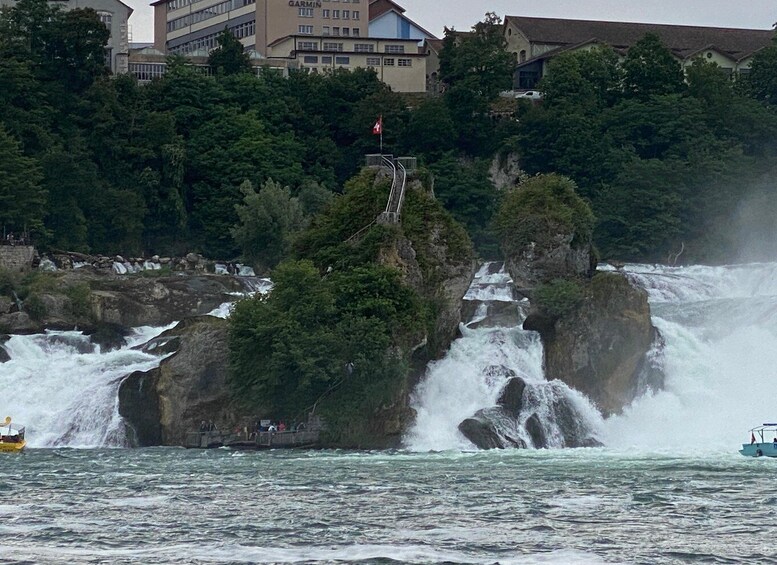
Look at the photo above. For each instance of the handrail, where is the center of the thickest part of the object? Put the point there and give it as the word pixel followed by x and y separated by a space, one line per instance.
pixel 361 231
pixel 389 164
pixel 401 190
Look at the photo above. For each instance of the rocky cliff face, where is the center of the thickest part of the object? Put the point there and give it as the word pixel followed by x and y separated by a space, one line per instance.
pixel 189 386
pixel 551 258
pixel 92 301
pixel 600 348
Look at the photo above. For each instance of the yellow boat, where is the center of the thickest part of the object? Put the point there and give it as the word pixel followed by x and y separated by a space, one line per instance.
pixel 11 437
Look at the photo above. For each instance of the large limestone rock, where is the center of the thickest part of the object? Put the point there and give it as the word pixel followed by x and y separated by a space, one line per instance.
pixel 553 257
pixel 117 301
pixel 190 386
pixel 600 348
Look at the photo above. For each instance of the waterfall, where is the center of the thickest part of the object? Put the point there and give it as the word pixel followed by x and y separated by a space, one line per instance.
pixel 493 349
pixel 719 327
pixel 65 391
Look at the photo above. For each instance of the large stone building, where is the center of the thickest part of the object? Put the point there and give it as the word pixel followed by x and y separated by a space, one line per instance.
pixel 115 15
pixel 535 41
pixel 309 34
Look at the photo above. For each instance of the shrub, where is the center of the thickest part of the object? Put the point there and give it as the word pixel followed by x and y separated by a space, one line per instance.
pixel 9 282
pixel 80 296
pixel 539 209
pixel 559 297
pixel 35 307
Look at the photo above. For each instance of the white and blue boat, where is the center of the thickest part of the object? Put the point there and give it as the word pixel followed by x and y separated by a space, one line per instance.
pixel 763 442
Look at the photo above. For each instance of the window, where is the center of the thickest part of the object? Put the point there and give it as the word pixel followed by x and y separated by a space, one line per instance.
pixel 522 55
pixel 307 46
pixel 356 32
pixel 105 18
pixel 342 60
pixel 333 46
pixel 346 14
pixel 306 12
pixel 364 48
pixel 388 62
pixel 147 71
pixel 325 13
pixel 326 30
pixel 395 48
pixel 326 60
pixel 373 61
pixel 355 15
pixel 336 14
pixel 404 62
pixel 335 31
pixel 310 60
pixel 345 31
pixel 306 30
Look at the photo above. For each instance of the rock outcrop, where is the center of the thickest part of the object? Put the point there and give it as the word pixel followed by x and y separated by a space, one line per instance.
pixel 162 405
pixel 3 353
pixel 93 300
pixel 514 422
pixel 600 349
pixel 555 257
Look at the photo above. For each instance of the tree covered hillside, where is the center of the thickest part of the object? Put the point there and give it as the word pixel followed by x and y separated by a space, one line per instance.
pixel 234 164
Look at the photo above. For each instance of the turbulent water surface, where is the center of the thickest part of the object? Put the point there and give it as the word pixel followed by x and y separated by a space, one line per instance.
pixel 528 506
pixel 668 487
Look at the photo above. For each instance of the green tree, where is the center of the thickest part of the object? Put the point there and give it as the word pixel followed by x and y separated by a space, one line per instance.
pixel 22 197
pixel 75 48
pixel 762 80
pixel 229 58
pixel 583 80
pixel 650 69
pixel 475 67
pixel 268 220
pixel 431 130
pixel 538 210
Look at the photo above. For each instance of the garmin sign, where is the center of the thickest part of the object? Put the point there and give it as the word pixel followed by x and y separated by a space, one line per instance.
pixel 305 3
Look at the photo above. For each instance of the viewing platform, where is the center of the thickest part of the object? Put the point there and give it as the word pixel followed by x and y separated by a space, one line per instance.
pixel 253 440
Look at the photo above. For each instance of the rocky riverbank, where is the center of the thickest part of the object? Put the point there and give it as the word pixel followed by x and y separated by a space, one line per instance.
pixel 100 302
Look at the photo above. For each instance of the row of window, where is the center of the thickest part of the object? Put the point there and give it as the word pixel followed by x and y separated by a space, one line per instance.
pixel 334 14
pixel 357 47
pixel 209 42
pixel 207 13
pixel 336 31
pixel 343 60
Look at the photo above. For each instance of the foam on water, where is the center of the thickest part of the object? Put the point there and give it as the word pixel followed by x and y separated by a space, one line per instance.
pixel 65 390
pixel 719 327
pixel 476 369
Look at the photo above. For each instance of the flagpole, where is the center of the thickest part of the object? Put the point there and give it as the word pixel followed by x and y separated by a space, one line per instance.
pixel 381 139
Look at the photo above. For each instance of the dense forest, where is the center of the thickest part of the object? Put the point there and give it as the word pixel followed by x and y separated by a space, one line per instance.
pixel 231 162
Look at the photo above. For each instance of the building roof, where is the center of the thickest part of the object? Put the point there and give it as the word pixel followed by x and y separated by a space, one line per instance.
pixel 435 44
pixel 681 40
pixel 380 7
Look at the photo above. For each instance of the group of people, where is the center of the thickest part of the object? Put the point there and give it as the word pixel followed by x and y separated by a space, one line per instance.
pixel 207 427
pixel 11 239
pixel 270 426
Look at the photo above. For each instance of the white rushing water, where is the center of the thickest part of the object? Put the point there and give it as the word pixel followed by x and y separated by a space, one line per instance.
pixel 65 391
pixel 478 366
pixel 719 327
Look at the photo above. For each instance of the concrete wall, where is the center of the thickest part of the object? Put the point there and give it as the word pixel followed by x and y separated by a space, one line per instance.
pixel 16 258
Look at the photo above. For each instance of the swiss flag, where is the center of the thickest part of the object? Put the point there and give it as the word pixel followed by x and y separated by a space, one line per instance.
pixel 377 129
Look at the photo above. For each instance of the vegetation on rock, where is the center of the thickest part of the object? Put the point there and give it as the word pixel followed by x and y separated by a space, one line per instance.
pixel 538 210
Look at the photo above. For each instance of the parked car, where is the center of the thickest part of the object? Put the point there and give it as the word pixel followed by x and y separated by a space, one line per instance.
pixel 530 94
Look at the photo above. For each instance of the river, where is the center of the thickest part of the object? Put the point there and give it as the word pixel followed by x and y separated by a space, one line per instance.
pixel 668 487
pixel 175 506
